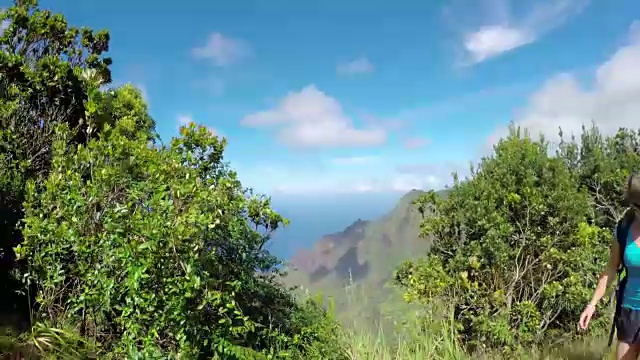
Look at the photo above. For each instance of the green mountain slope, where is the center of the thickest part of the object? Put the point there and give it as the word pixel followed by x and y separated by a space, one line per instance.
pixel 354 266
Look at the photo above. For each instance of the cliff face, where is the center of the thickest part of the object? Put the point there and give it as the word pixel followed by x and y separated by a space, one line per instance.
pixel 327 250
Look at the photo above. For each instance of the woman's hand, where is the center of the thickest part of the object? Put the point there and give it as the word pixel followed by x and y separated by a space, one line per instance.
pixel 586 315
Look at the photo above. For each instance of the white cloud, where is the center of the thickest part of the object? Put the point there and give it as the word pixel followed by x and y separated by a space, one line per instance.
pixel 222 50
pixel 407 182
pixel 489 41
pixel 501 30
pixel 611 101
pixel 311 119
pixel 437 172
pixel 388 123
pixel 361 65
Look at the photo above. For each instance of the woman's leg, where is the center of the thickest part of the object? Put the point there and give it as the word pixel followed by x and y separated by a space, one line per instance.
pixel 625 351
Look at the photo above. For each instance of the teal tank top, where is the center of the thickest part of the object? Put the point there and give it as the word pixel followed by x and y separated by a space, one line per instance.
pixel 631 298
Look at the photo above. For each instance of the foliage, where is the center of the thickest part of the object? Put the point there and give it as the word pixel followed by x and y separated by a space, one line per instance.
pixel 129 249
pixel 153 251
pixel 433 336
pixel 43 63
pixel 603 165
pixel 518 247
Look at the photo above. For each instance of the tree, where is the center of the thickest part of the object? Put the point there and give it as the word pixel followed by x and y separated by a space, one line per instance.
pixel 516 250
pixel 603 165
pixel 156 252
pixel 43 63
pixel 50 74
pixel 132 249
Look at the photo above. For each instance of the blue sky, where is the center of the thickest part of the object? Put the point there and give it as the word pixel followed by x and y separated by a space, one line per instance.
pixel 334 97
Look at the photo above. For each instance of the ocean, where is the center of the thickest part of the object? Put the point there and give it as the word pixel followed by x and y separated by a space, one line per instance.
pixel 312 217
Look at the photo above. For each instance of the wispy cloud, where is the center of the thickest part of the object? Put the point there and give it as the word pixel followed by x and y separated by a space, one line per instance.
pixel 222 50
pixel 493 40
pixel 499 29
pixel 361 65
pixel 377 173
pixel 435 109
pixel 392 183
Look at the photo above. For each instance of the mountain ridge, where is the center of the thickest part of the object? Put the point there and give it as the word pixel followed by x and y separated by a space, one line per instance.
pixel 363 256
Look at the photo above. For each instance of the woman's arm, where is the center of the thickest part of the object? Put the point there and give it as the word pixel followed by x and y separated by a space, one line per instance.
pixel 609 273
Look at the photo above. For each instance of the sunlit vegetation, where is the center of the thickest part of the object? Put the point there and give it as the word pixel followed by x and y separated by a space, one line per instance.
pixel 115 245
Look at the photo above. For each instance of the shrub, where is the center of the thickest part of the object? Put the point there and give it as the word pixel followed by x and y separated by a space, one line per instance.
pixel 156 251
pixel 515 248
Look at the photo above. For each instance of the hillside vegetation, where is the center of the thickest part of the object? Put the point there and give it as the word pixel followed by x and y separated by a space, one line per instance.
pixel 355 267
pixel 114 245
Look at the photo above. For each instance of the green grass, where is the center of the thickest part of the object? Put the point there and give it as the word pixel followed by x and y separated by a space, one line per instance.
pixel 413 342
pixel 410 333
pixel 438 341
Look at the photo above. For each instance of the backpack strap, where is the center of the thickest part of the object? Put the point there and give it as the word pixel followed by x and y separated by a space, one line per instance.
pixel 622 233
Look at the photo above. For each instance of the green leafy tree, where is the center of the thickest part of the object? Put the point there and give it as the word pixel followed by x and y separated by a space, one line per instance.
pixel 43 67
pixel 137 250
pixel 516 250
pixel 159 252
pixel 50 74
pixel 603 165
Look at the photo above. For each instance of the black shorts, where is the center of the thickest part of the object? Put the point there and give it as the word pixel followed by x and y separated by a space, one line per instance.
pixel 628 326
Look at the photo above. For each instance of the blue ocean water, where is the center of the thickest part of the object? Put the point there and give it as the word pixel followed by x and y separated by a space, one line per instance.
pixel 313 217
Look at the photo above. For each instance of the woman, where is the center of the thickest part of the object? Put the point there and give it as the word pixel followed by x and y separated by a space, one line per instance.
pixel 627 323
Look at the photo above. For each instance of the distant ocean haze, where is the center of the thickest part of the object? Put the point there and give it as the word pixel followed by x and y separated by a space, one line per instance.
pixel 312 217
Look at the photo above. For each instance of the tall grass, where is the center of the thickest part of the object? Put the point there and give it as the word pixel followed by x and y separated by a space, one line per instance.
pixel 414 342
pixel 439 342
pixel 431 334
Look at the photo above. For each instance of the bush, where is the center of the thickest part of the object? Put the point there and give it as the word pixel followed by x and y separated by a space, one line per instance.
pixel 156 251
pixel 519 246
pixel 126 248
pixel 42 85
